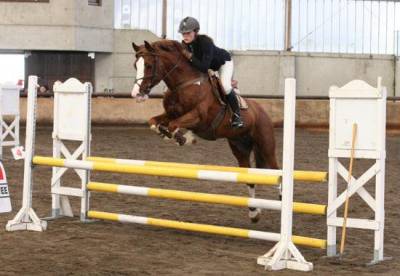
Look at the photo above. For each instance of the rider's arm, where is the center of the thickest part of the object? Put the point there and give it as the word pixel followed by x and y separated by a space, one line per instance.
pixel 204 63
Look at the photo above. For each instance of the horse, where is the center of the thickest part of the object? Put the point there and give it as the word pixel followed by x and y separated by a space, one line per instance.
pixel 190 104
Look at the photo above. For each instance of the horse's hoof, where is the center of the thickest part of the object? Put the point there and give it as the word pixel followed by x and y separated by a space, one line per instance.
pixel 255 219
pixel 255 215
pixel 179 137
pixel 181 140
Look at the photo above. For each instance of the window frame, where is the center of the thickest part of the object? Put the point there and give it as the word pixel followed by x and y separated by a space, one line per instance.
pixel 96 3
pixel 26 1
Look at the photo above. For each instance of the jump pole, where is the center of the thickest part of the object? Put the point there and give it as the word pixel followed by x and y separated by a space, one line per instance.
pixel 309 176
pixel 205 228
pixel 245 178
pixel 298 207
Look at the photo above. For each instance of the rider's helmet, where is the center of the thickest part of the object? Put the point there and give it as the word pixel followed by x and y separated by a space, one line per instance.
pixel 189 24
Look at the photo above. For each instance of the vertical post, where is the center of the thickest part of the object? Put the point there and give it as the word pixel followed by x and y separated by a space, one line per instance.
pixel 285 254
pixel 288 25
pixel 332 182
pixel 85 201
pixel 164 19
pixel 332 195
pixel 26 218
pixel 380 177
pixel 30 141
pixel 288 159
pixel 55 181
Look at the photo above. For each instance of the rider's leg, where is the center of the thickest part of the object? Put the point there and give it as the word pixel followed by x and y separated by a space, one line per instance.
pixel 226 73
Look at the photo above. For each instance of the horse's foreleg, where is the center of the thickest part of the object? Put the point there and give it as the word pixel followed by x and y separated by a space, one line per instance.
pixel 189 120
pixel 159 124
pixel 155 121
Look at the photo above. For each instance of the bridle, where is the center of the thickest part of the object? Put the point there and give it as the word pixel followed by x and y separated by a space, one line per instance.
pixel 154 73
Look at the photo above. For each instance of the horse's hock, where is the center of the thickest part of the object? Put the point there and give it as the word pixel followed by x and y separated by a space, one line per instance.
pixel 371 145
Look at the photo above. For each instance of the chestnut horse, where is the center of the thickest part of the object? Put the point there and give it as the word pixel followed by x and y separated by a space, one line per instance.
pixel 191 104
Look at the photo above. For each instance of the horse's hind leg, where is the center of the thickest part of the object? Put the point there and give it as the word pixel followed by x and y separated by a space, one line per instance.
pixel 242 155
pixel 264 148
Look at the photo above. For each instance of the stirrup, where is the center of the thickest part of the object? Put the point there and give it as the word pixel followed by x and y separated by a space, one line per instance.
pixel 236 121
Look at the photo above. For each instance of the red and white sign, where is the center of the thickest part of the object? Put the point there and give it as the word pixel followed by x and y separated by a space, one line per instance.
pixel 5 202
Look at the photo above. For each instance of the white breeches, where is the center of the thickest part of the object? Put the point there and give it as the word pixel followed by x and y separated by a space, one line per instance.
pixel 225 74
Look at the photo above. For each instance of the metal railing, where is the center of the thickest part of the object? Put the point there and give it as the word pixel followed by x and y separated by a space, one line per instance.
pixel 339 26
pixel 345 26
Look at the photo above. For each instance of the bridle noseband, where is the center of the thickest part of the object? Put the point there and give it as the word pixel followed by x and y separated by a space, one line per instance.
pixel 154 73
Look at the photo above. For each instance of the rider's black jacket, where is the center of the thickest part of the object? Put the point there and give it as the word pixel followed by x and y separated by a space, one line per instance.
pixel 206 55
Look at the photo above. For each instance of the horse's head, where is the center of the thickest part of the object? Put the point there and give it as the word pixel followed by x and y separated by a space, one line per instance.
pixel 154 62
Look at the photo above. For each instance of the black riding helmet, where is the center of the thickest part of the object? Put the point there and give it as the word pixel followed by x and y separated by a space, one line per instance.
pixel 189 24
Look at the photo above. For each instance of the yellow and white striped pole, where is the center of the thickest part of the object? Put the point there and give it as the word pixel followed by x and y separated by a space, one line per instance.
pixel 238 177
pixel 298 207
pixel 309 176
pixel 205 228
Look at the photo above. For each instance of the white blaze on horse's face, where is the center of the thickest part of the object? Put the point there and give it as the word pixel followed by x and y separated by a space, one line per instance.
pixel 139 76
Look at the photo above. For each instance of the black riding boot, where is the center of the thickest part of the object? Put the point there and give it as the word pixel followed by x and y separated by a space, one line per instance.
pixel 236 121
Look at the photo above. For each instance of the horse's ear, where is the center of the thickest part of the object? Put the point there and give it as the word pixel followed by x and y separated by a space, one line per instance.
pixel 148 46
pixel 135 47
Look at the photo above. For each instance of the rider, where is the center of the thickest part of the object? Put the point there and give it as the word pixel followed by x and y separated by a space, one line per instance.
pixel 202 53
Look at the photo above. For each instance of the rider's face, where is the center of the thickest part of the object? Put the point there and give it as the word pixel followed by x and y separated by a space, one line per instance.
pixel 189 37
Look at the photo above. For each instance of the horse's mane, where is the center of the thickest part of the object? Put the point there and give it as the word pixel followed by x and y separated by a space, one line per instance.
pixel 167 45
pixel 172 47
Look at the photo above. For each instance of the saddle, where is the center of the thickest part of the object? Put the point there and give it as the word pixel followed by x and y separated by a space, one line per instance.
pixel 219 92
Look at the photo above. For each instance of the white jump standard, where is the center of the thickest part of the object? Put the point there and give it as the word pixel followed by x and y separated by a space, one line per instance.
pixel 357 103
pixel 72 123
pixel 9 106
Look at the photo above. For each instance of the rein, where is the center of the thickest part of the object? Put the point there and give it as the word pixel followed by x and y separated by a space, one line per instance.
pixel 154 72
